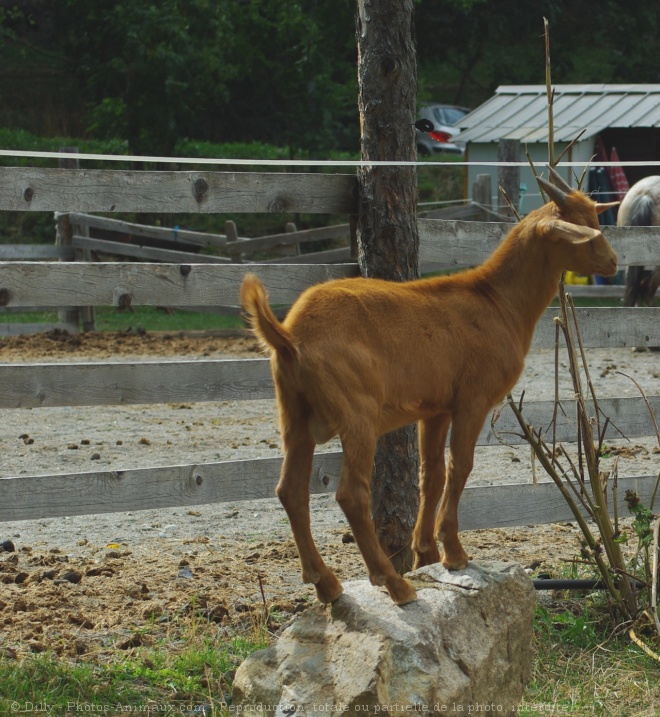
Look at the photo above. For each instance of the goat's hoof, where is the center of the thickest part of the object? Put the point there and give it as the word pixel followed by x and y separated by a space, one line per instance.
pixel 455 563
pixel 428 557
pixel 454 556
pixel 402 591
pixel 328 589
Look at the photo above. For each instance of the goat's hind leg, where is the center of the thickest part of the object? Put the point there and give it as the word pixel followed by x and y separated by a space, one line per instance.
pixel 432 438
pixel 354 497
pixel 293 492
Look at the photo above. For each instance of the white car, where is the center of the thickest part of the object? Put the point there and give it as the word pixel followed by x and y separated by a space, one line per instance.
pixel 444 119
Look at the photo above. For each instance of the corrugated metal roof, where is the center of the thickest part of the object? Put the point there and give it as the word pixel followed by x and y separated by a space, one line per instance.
pixel 521 112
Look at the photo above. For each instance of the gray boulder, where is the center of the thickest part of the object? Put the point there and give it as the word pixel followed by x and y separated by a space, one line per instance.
pixel 464 645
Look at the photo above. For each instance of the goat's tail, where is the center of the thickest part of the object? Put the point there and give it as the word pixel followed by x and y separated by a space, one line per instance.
pixel 263 321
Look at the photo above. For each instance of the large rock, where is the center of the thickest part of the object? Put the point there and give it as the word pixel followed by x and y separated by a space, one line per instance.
pixel 463 645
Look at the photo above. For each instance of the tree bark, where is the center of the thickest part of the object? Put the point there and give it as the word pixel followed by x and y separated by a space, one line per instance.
pixel 388 242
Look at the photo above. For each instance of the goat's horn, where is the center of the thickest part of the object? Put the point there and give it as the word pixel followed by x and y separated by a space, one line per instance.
pixel 558 196
pixel 559 181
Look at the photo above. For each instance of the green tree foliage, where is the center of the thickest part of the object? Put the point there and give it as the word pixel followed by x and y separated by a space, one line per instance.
pixel 283 72
pixel 220 71
pixel 152 71
pixel 466 48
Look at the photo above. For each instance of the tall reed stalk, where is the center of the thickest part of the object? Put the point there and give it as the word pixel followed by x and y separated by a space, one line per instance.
pixel 581 482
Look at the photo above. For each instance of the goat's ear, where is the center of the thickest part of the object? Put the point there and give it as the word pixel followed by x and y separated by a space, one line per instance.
pixel 574 233
pixel 600 208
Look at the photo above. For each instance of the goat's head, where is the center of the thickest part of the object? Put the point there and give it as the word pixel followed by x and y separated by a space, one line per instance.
pixel 571 223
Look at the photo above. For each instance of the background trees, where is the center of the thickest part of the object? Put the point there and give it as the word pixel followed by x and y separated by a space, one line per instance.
pixel 284 72
pixel 223 71
pixel 466 48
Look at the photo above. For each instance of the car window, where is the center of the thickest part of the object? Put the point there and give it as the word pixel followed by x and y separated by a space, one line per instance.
pixel 448 115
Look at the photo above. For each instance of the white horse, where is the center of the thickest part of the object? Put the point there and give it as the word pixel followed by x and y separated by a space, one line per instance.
pixel 641 208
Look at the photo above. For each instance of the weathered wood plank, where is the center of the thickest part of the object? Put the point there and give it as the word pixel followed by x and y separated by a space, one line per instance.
pixel 457 243
pixel 35 252
pixel 40 284
pixel 331 256
pixel 130 383
pixel 635 245
pixel 605 327
pixel 512 505
pixel 47 284
pixel 464 243
pixel 629 418
pixel 185 236
pixel 52 496
pixel 597 291
pixel 146 253
pixel 87 190
pixel 297 237
pixel 459 211
pixel 28 497
pixel 103 284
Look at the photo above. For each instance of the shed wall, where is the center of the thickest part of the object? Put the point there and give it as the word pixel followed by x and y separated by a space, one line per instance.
pixel 530 197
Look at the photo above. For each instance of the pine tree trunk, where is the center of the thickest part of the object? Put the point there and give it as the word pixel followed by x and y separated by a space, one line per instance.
pixel 388 242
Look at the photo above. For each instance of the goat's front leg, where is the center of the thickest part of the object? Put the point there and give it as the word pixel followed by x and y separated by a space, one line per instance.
pixel 464 433
pixel 354 497
pixel 293 492
pixel 432 438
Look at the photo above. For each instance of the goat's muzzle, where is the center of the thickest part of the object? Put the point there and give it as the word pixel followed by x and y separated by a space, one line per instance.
pixel 610 266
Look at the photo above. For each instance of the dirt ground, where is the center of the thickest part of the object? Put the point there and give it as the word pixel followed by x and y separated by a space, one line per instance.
pixel 95 586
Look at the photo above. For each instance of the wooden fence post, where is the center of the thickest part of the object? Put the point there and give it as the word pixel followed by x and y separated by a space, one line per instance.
pixel 232 240
pixel 87 313
pixel 294 249
pixel 482 195
pixel 508 178
pixel 69 317
pixel 63 235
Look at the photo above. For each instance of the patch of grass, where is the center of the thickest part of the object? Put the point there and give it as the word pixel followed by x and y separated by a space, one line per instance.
pixel 584 666
pixel 183 675
pixel 49 681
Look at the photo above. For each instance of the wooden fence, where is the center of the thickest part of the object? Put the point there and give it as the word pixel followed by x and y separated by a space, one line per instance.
pixel 87 237
pixel 452 243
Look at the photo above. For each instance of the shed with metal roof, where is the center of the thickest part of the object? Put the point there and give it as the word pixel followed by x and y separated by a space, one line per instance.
pixel 626 117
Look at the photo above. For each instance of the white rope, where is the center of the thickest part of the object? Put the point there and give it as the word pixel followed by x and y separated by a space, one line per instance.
pixel 295 162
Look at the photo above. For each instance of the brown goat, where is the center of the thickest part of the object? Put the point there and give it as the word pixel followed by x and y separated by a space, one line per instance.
pixel 356 358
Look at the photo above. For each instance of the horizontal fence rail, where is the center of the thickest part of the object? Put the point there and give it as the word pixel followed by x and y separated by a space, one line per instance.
pixel 116 284
pixel 46 284
pixel 141 231
pixel 90 190
pixel 463 243
pixel 169 256
pixel 53 496
pixel 133 383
